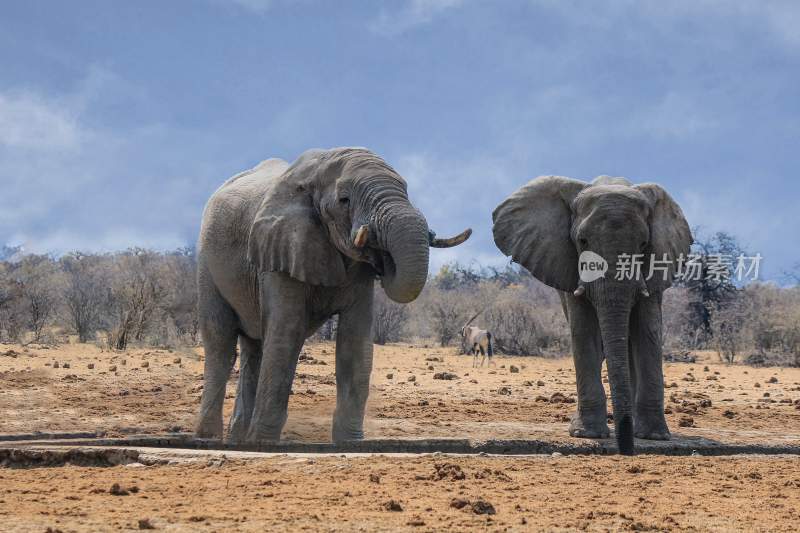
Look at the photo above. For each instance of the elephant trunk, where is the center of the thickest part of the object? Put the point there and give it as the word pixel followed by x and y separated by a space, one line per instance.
pixel 402 232
pixel 613 302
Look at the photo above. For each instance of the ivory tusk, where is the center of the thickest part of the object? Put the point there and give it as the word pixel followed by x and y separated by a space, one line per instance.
pixel 361 236
pixel 580 291
pixel 643 289
pixel 448 243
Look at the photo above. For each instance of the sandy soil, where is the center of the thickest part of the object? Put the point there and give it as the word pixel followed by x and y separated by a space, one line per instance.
pixel 158 390
pixel 425 493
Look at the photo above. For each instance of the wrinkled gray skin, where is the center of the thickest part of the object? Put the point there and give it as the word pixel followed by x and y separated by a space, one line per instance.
pixel 545 226
pixel 277 256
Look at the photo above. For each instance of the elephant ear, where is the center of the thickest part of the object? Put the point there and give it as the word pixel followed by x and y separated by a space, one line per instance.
pixel 669 235
pixel 288 236
pixel 533 226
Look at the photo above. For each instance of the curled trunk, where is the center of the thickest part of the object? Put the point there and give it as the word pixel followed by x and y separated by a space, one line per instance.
pixel 403 234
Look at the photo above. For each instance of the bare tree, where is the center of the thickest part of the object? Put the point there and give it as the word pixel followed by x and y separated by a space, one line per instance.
pixel 389 319
pixel 86 295
pixel 37 280
pixel 136 295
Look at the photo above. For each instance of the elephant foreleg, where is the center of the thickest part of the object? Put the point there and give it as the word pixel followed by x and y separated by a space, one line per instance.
pixel 249 367
pixel 285 319
pixel 587 353
pixel 646 356
pixel 353 366
pixel 218 325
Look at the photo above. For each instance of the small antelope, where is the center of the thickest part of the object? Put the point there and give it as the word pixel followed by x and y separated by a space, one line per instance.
pixel 478 340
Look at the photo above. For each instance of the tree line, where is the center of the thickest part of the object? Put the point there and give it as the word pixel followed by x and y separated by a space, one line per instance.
pixel 143 297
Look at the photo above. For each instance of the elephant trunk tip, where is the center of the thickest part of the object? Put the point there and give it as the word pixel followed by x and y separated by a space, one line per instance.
pixel 624 431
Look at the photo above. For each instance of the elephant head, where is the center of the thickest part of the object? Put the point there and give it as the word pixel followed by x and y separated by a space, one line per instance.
pixel 547 224
pixel 332 208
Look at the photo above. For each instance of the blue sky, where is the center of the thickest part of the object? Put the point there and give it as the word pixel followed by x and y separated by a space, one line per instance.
pixel 118 119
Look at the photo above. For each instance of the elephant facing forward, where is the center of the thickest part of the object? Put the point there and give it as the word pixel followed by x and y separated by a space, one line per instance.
pixel 284 247
pixel 551 222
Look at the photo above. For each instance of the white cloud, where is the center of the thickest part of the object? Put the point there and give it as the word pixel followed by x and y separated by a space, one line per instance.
pixel 414 13
pixel 28 121
pixel 70 183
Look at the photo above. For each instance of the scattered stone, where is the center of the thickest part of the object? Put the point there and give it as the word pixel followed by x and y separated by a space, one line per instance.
pixel 112 368
pixel 447 472
pixel 393 505
pixel 445 376
pixel 728 414
pixel 558 397
pixel 374 478
pixel 145 523
pixel 504 391
pixel 145 364
pixel 686 422
pixel 773 379
pixel 177 360
pixel 540 383
pixel 90 366
pixel 481 506
pixel 65 365
pixel 757 385
pixel 389 376
pixel 634 469
pixel 513 369
pixel 117 490
pixel 416 521
pixel 459 503
pixel 412 378
pixel 55 364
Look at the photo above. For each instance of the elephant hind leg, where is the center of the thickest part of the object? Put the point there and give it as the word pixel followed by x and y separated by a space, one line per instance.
pixel 218 328
pixel 249 368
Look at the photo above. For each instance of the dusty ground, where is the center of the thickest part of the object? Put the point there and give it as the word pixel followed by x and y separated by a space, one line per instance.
pixel 157 391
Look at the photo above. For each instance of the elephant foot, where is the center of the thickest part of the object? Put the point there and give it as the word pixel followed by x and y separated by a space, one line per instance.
pixel 651 427
pixel 339 434
pixel 237 432
pixel 203 432
pixel 589 426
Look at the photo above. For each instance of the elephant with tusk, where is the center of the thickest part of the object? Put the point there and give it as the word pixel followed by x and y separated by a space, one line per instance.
pixel 284 247
pixel 553 223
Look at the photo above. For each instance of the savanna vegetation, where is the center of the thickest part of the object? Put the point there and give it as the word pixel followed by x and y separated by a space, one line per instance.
pixel 146 298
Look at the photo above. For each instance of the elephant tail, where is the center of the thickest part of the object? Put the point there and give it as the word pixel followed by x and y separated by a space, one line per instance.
pixel 489 342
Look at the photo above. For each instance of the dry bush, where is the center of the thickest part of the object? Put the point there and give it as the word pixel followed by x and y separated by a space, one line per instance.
pixel 677 332
pixel 34 295
pixel 86 295
pixel 730 328
pixel 444 313
pixel 528 320
pixel 775 324
pixel 389 319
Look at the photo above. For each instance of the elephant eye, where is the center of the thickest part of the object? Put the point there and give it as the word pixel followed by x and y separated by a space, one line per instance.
pixel 583 242
pixel 344 200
